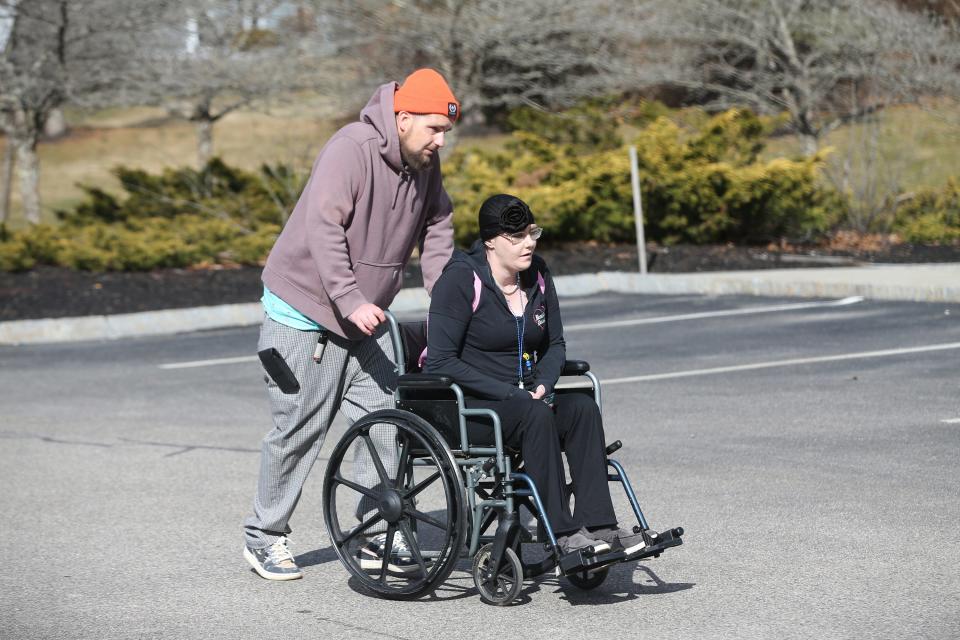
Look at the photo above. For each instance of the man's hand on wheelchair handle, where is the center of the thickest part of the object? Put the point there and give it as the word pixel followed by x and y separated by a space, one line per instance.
pixel 538 394
pixel 367 316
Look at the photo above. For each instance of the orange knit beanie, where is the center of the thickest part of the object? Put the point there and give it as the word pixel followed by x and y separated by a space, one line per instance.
pixel 425 91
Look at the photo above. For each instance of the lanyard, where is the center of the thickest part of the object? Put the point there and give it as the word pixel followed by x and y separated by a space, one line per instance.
pixel 521 329
pixel 521 326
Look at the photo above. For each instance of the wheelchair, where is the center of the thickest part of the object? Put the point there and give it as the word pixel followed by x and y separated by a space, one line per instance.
pixel 451 499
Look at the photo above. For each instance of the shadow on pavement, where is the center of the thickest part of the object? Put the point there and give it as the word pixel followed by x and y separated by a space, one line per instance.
pixel 315 557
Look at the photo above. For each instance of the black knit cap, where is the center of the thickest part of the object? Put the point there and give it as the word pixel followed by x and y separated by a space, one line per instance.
pixel 503 213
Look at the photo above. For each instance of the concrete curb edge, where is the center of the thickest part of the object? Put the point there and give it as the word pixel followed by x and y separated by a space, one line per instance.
pixel 800 283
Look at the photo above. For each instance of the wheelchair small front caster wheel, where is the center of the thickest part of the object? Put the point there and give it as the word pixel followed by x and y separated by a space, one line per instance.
pixel 587 580
pixel 505 587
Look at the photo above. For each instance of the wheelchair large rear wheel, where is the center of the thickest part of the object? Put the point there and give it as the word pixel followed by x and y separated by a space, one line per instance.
pixel 421 501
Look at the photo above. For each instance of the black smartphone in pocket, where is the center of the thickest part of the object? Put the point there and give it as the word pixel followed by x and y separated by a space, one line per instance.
pixel 276 367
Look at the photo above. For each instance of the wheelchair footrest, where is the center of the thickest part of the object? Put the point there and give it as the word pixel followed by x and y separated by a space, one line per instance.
pixel 581 560
pixel 655 545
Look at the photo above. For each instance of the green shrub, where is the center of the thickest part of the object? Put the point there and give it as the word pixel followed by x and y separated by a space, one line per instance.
pixel 15 254
pixel 931 216
pixel 699 185
pixel 588 125
pixel 24 249
pixel 216 190
pixel 701 177
pixel 178 218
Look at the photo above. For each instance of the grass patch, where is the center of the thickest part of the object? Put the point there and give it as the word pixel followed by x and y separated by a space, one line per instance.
pixel 917 146
pixel 88 153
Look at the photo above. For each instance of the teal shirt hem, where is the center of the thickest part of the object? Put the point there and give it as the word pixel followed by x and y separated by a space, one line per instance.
pixel 281 312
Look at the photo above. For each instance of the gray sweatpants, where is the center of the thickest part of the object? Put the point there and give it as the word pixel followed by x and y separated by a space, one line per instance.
pixel 355 377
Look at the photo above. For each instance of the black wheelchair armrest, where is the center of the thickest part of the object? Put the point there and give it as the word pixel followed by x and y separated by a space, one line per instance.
pixel 424 381
pixel 575 368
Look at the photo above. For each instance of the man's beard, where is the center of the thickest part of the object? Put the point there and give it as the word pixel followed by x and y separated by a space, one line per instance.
pixel 416 161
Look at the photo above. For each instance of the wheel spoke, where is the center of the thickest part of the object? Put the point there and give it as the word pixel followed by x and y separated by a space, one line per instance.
pixel 377 462
pixel 404 460
pixel 367 491
pixel 422 517
pixel 414 546
pixel 387 550
pixel 360 528
pixel 423 485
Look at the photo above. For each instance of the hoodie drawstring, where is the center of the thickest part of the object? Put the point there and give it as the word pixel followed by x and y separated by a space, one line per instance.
pixel 404 176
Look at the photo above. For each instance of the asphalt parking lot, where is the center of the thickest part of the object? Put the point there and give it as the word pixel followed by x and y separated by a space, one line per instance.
pixel 809 448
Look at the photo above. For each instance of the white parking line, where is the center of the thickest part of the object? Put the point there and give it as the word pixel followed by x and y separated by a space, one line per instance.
pixel 715 314
pixel 594 325
pixel 951 421
pixel 208 363
pixel 784 363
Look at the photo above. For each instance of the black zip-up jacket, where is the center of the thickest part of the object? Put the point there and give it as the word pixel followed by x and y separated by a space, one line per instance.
pixel 478 349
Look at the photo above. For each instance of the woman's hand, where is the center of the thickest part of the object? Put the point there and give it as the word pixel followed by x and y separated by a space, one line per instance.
pixel 538 394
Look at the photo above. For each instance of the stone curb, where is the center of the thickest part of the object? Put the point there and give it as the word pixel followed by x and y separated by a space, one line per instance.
pixel 939 283
pixel 919 283
pixel 151 323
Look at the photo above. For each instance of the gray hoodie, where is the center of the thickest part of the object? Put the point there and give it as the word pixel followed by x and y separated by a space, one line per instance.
pixel 358 219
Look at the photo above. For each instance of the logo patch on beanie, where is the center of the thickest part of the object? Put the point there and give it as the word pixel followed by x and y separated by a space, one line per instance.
pixel 452 109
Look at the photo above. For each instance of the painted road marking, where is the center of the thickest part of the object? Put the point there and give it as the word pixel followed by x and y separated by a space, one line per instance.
pixel 715 314
pixel 595 325
pixel 784 363
pixel 951 421
pixel 208 363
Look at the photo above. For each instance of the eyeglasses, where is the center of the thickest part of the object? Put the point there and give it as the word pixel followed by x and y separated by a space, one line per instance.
pixel 520 236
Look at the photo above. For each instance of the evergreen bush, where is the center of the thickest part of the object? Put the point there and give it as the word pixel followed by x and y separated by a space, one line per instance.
pixel 701 175
pixel 178 218
pixel 931 216
pixel 699 185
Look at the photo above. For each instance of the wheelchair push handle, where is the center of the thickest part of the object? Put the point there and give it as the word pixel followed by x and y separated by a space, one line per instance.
pixel 613 447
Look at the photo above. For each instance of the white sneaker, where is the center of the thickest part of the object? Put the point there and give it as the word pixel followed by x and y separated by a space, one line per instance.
pixel 274 562
pixel 401 560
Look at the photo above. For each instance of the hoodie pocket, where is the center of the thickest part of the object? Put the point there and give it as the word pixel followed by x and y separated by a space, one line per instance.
pixel 378 281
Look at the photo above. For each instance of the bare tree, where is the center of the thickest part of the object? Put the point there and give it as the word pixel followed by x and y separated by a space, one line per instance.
pixel 501 53
pixel 219 56
pixel 870 180
pixel 59 51
pixel 6 181
pixel 824 62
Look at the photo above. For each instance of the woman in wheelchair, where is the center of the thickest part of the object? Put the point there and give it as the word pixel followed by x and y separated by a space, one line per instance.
pixel 495 329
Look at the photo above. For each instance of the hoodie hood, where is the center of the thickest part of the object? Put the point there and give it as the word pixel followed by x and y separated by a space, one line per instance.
pixel 379 114
pixel 475 258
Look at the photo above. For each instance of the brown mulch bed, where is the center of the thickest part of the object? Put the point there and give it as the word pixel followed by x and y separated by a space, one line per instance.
pixel 50 292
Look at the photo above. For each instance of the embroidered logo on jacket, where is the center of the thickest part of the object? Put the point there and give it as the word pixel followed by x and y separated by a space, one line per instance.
pixel 540 315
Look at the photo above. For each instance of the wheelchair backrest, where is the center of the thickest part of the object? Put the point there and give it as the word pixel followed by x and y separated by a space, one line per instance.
pixel 413 339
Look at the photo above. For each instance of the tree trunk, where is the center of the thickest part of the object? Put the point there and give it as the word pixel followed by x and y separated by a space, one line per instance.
pixel 28 169
pixel 56 125
pixel 204 141
pixel 811 145
pixel 6 180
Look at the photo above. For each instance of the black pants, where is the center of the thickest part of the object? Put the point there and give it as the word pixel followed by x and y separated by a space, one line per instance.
pixel 540 432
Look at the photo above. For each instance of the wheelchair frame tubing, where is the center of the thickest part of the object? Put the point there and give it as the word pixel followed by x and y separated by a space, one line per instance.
pixel 531 492
pixel 478 509
pixel 621 475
